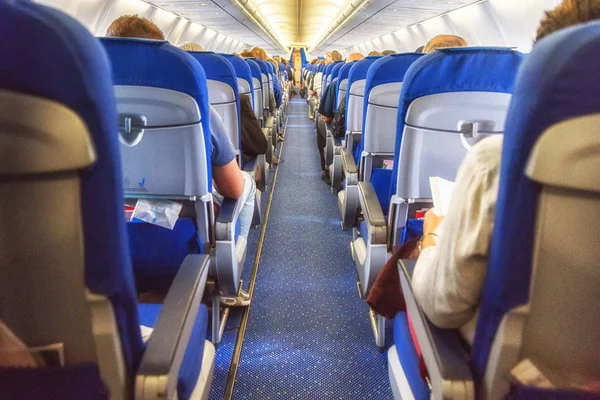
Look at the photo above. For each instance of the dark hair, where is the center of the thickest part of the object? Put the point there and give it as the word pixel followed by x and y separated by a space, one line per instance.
pixel 568 13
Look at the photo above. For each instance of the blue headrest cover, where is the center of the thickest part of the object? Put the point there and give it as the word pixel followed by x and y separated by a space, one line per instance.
pixel 345 70
pixel 255 69
pixel 336 69
pixel 47 54
pixel 150 63
pixel 559 80
pixel 281 67
pixel 463 69
pixel 359 71
pixel 241 67
pixel 386 70
pixel 217 68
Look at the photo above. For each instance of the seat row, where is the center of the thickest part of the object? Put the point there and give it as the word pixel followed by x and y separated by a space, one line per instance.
pixel 411 117
pixel 88 125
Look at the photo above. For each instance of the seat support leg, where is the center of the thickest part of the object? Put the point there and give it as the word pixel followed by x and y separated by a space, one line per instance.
pixel 378 325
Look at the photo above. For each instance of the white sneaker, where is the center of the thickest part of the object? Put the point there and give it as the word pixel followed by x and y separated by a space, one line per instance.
pixel 242 300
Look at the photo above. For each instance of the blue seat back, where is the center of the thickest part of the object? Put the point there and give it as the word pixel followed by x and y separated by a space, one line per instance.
pixel 257 101
pixel 63 63
pixel 382 94
pixel 243 73
pixel 443 94
pixel 548 173
pixel 343 81
pixel 223 92
pixel 355 94
pixel 266 87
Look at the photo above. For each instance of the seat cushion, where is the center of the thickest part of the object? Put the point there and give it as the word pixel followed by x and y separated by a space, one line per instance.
pixel 381 179
pixel 408 357
pixel 157 252
pixel 192 360
pixel 412 230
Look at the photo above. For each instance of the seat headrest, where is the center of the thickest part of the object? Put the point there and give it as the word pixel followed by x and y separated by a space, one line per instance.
pixel 336 69
pixel 345 70
pixel 47 54
pixel 241 67
pixel 557 81
pixel 217 68
pixel 463 69
pixel 254 69
pixel 360 68
pixel 389 69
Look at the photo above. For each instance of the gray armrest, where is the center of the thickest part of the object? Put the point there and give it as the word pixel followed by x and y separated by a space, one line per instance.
pixel 166 347
pixel 443 349
pixel 230 209
pixel 372 213
pixel 348 163
pixel 370 205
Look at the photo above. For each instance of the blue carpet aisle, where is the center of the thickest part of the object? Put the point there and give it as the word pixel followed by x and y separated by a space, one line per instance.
pixel 308 334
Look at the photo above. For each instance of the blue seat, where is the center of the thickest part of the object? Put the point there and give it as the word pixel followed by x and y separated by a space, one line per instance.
pixel 343 81
pixel 245 81
pixel 451 99
pixel 166 155
pixel 383 83
pixel 543 262
pixel 58 99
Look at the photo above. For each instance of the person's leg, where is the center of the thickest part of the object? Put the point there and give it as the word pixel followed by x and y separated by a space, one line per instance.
pixel 247 212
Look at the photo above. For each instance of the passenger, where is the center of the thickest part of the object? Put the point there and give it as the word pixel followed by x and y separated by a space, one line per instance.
pixel 136 27
pixel 191 46
pixel 451 269
pixel 338 124
pixel 387 52
pixel 374 53
pixel 442 41
pixel 228 179
pixel 420 49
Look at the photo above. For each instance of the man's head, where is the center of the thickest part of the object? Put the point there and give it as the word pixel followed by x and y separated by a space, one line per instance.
pixel 388 52
pixel 354 57
pixel 134 26
pixel 191 46
pixel 568 13
pixel 420 49
pixel 443 41
pixel 374 53
pixel 314 61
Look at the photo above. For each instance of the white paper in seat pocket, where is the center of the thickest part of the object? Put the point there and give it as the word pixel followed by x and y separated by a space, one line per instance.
pixel 157 212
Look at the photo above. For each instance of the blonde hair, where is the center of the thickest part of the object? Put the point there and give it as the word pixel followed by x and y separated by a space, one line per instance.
pixel 260 53
pixel 336 55
pixel 388 52
pixel 191 46
pixel 134 26
pixel 374 53
pixel 443 41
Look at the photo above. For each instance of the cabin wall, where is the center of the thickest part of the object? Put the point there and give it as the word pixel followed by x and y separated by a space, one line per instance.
pixel 97 15
pixel 510 23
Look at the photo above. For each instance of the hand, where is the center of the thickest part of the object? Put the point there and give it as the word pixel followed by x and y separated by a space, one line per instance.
pixel 327 120
pixel 430 224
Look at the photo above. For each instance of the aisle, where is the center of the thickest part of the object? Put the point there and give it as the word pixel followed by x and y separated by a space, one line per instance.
pixel 308 333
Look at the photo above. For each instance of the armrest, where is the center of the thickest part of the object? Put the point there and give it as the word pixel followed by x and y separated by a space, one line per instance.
pixel 369 203
pixel 159 368
pixel 348 163
pixel 228 214
pixel 372 213
pixel 443 350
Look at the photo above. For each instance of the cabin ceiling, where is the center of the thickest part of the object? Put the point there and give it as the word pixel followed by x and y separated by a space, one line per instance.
pixel 320 25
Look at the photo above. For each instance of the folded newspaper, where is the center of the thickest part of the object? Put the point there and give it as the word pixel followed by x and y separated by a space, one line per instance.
pixel 441 193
